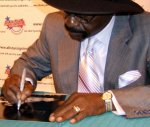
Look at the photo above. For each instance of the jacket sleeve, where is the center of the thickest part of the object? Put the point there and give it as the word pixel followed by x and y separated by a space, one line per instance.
pixel 135 101
pixel 36 59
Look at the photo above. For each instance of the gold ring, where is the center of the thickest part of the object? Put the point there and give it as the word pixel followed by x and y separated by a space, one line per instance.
pixel 76 108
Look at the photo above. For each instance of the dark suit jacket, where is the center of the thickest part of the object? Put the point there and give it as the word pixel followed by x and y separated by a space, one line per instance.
pixel 57 53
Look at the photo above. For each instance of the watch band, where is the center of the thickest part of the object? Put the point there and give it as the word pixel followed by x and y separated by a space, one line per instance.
pixel 108 105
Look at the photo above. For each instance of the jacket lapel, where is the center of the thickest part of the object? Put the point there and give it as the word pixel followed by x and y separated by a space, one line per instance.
pixel 68 56
pixel 118 52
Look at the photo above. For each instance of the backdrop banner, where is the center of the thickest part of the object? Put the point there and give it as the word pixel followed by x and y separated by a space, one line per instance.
pixel 20 25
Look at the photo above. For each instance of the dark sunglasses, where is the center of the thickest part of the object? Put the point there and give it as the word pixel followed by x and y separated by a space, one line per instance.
pixel 83 18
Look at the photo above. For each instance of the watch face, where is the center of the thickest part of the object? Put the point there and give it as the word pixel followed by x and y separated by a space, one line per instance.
pixel 107 96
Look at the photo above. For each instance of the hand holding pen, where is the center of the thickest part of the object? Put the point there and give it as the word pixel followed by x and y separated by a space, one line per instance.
pixel 22 83
pixel 14 89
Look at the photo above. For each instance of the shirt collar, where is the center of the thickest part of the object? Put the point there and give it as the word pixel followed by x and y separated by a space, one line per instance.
pixel 103 36
pixel 106 32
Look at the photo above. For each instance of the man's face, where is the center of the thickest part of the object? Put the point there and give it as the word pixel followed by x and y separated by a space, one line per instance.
pixel 83 26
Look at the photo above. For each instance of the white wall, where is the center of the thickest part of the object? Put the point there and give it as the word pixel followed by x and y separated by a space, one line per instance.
pixel 144 3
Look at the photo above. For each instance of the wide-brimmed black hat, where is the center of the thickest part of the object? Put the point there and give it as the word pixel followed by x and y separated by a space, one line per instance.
pixel 96 6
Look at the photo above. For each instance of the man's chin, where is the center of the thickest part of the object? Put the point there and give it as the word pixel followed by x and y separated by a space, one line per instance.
pixel 77 36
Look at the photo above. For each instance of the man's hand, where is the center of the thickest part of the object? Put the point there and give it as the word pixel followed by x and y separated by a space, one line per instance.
pixel 11 90
pixel 79 106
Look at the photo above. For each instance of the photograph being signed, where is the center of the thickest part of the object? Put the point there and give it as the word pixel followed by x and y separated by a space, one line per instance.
pixel 35 109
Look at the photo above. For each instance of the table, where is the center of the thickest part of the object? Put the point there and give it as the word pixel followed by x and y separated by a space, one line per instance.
pixel 105 120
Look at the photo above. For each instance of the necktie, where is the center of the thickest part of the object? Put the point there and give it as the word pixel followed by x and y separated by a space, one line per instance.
pixel 88 80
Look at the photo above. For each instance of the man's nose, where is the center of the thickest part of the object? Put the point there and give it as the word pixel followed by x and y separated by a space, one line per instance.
pixel 72 21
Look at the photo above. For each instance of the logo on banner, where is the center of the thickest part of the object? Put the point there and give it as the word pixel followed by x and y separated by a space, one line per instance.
pixel 16 26
pixel 7 71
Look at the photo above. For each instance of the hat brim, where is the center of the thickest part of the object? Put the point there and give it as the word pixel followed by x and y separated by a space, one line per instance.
pixel 96 6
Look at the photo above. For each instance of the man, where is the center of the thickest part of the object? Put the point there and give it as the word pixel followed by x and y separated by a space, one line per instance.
pixel 118 31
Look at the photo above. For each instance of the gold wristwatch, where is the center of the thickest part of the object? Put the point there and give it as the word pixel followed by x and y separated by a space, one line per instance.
pixel 107 97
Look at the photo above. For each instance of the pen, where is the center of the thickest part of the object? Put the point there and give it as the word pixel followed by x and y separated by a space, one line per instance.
pixel 22 83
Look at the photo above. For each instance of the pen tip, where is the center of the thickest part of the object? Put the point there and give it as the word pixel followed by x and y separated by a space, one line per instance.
pixel 18 106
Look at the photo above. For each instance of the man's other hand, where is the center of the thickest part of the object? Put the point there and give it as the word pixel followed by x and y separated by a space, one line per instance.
pixel 78 106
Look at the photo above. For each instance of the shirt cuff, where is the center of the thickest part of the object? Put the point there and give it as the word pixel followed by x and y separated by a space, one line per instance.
pixel 119 110
pixel 29 80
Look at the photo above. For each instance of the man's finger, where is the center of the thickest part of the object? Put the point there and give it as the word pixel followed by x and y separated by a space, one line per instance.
pixel 14 89
pixel 61 103
pixel 63 113
pixel 69 114
pixel 11 97
pixel 71 99
pixel 78 117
